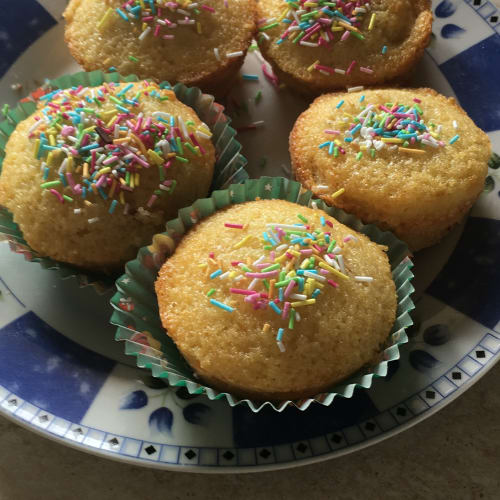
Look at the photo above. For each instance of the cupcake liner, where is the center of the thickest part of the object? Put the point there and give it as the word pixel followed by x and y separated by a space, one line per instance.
pixel 136 314
pixel 229 166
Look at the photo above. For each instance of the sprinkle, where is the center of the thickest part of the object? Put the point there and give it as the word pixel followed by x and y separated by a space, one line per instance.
pixel 384 49
pixel 253 78
pixel 454 139
pixel 411 151
pixel 234 226
pixel 221 305
pixel 113 206
pixel 93 220
pixel 121 14
pixel 258 96
pixel 366 70
pixel 355 89
pixel 337 193
pixel 455 124
pixel 216 53
pixel 307 302
pixel 133 59
pixel 231 55
pixel 244 241
pixel 372 21
pixel 340 104
pixel 363 278
pixel 210 292
pixel 215 274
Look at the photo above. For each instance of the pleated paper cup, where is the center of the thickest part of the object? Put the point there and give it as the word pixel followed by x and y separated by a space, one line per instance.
pixel 136 314
pixel 229 167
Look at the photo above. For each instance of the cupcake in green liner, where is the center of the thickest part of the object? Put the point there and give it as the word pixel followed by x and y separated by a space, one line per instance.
pixel 97 165
pixel 303 311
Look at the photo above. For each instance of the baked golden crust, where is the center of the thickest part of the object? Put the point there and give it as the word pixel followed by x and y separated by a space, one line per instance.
pixel 403 26
pixel 53 229
pixel 188 58
pixel 335 337
pixel 418 197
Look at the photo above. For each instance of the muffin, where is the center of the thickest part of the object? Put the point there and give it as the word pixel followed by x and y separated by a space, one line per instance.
pixel 317 47
pixel 199 44
pixel 408 160
pixel 271 300
pixel 95 172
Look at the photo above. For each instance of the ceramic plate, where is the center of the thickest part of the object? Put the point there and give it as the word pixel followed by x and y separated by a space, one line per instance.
pixel 63 375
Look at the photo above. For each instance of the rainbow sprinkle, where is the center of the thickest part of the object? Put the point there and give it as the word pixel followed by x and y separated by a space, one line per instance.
pixel 298 261
pixel 160 18
pixel 322 23
pixel 93 143
pixel 395 127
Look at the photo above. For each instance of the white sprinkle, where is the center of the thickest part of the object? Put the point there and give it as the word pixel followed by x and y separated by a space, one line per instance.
pixel 161 21
pixel 322 71
pixel 186 21
pixel 314 205
pixel 35 126
pixel 216 52
pixel 321 187
pixel 265 35
pixel 455 124
pixel 281 247
pixel 145 33
pixel 238 278
pixel 298 296
pixel 366 70
pixel 184 12
pixel 363 278
pixel 126 209
pixel 164 188
pixel 392 148
pixel 62 168
pixel 355 89
pixel 253 284
pixel 350 237
pixel 297 316
pixel 77 211
pixel 314 276
pixel 339 71
pixel 340 260
pixel 81 91
pixel 285 226
pixel 231 55
pixel 259 260
pixel 309 44
pixel 223 276
pixel 183 127
pixel 94 219
pixel 281 346
pixel 201 134
pixel 192 6
pixel 258 123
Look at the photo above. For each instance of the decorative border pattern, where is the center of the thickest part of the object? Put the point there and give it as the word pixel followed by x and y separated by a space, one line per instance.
pixel 488 12
pixel 454 381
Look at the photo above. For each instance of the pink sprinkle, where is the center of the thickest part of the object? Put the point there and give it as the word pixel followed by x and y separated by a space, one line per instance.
pixel 101 181
pixel 168 37
pixel 317 247
pixel 148 18
pixel 236 262
pixel 57 194
pixel 157 30
pixel 347 238
pixel 350 68
pixel 243 291
pixel 323 271
pixel 289 255
pixel 196 143
pixel 288 289
pixel 211 255
pixel 366 70
pixel 307 251
pixel 152 200
pixel 328 69
pixel 286 308
pixel 329 223
pixel 415 99
pixel 345 36
pixel 332 132
pixel 269 274
pixel 331 282
pixel 206 7
pixel 270 75
pixel 71 181
pixel 233 226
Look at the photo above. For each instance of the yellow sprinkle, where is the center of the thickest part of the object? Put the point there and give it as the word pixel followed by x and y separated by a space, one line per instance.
pixel 113 188
pixel 392 140
pixel 137 179
pixel 203 265
pixel 70 165
pixel 85 170
pixel 411 151
pixel 37 147
pixel 303 303
pixel 372 21
pixel 337 28
pixel 52 140
pixel 140 144
pixel 338 274
pixel 155 157
pixel 198 28
pixel 232 275
pixel 87 202
pixel 337 193
pixel 112 121
pixel 304 264
pixel 310 68
pixel 102 172
pixel 122 140
pixel 266 327
pixel 348 26
pixel 280 259
pixel 122 198
pixel 104 19
pixel 122 181
pixel 50 157
pixel 244 241
pixel 294 252
pixel 131 182
pixel 283 15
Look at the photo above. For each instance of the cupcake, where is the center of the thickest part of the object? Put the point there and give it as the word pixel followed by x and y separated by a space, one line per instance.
pixel 270 300
pixel 317 47
pixel 409 160
pixel 200 44
pixel 93 173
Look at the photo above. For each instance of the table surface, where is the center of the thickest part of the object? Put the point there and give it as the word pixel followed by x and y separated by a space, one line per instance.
pixel 455 453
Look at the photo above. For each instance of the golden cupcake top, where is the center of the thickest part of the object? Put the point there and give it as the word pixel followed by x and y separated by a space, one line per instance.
pixel 100 141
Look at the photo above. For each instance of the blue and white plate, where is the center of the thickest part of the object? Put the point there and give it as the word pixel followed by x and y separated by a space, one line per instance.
pixel 62 374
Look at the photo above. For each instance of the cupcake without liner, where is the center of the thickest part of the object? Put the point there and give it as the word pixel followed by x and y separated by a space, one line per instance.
pixel 74 189
pixel 136 308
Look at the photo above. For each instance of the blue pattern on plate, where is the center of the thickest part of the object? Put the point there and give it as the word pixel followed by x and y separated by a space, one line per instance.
pixel 445 9
pixel 452 31
pixel 23 22
pixel 270 427
pixel 477 94
pixel 44 367
pixel 469 281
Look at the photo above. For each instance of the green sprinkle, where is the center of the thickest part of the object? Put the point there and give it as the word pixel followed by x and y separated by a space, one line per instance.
pixel 5 109
pixel 268 27
pixel 291 321
pixel 193 150
pixel 417 107
pixel 266 284
pixel 302 218
pixel 357 35
pixel 331 246
pixel 67 198
pixel 50 184
pixel 359 155
pixel 134 59
pixel 258 96
pixel 210 292
pixel 183 160
pixel 270 268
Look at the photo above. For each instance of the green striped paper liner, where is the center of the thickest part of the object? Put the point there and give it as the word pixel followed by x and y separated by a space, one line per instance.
pixel 136 313
pixel 229 167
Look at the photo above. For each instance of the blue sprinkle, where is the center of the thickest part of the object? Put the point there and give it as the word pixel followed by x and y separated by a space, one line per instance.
pixel 454 139
pixel 63 180
pixel 340 104
pixel 113 206
pixel 246 76
pixel 102 193
pixel 322 220
pixel 274 307
pixel 46 171
pixel 324 144
pixel 122 14
pixel 362 98
pixel 384 49
pixel 280 335
pixel 84 192
pixel 316 293
pixel 121 108
pixel 221 305
pixel 215 274
pixel 125 89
